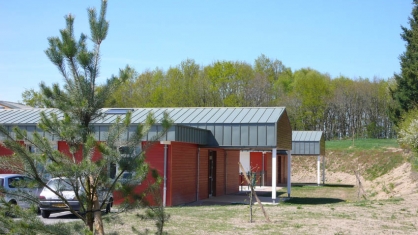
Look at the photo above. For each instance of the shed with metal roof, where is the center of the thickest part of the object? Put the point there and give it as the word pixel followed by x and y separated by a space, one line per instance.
pixel 310 143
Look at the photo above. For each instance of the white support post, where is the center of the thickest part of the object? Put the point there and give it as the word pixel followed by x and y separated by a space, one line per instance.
pixel 165 176
pixel 289 172
pixel 198 173
pixel 318 170
pixel 273 174
pixel 165 143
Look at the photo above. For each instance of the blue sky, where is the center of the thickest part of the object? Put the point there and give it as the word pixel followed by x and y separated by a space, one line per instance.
pixel 354 38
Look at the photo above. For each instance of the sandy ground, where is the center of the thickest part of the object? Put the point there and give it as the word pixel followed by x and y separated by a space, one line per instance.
pixel 397 183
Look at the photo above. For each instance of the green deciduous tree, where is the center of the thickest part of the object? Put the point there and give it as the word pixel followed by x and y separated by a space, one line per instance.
pixel 406 92
pixel 33 98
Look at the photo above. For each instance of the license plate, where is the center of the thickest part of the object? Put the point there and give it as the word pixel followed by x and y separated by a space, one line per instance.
pixel 59 205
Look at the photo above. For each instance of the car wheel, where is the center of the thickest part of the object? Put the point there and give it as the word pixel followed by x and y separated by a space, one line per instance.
pixel 107 208
pixel 45 214
pixel 109 205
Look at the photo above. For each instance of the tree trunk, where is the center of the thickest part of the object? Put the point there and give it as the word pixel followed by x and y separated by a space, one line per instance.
pixel 98 223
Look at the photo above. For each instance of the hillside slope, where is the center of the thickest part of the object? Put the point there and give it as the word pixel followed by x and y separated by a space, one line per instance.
pixel 383 167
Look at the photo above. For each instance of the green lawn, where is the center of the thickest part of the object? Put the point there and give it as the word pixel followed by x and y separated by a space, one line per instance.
pixel 361 144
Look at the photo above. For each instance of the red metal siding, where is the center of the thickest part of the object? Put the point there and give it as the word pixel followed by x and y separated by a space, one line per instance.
pixel 184 172
pixel 256 161
pixel 155 158
pixel 232 171
pixel 4 152
pixel 64 148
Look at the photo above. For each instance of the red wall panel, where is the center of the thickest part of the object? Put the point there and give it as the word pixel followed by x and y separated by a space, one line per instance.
pixel 220 173
pixel 203 174
pixel 232 172
pixel 4 152
pixel 183 173
pixel 256 161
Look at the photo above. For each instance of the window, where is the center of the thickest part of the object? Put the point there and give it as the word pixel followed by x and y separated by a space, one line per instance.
pixel 127 153
pixel 118 111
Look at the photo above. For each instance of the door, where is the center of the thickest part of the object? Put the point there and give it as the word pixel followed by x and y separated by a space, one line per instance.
pixel 212 173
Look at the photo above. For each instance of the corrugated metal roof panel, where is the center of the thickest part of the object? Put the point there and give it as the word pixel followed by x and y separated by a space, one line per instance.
pixel 307 135
pixel 178 115
pixel 275 113
pixel 248 127
pixel 249 115
pixel 196 115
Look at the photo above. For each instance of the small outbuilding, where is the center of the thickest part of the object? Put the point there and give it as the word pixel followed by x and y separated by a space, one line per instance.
pixel 310 143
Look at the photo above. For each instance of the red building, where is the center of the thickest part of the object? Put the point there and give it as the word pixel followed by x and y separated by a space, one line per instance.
pixel 199 155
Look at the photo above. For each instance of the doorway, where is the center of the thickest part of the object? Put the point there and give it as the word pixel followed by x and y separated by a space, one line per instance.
pixel 212 173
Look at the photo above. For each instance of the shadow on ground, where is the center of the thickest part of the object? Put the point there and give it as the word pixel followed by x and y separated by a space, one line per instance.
pixel 323 185
pixel 312 200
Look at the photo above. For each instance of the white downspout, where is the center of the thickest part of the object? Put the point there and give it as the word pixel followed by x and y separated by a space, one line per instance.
pixel 165 175
pixel 289 172
pixel 273 174
pixel 198 172
pixel 262 171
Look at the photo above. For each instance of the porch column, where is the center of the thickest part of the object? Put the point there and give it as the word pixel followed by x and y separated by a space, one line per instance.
pixel 289 172
pixel 318 169
pixel 165 143
pixel 273 174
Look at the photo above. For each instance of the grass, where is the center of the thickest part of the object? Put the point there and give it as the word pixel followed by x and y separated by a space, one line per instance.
pixel 311 210
pixel 371 157
pixel 300 215
pixel 361 144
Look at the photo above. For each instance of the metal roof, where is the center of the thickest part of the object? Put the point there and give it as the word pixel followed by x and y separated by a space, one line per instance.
pixel 251 127
pixel 13 105
pixel 306 135
pixel 308 143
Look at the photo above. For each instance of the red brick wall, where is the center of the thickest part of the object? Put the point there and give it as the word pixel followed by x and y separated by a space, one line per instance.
pixel 203 174
pixel 232 172
pixel 183 169
pixel 220 173
pixel 281 169
pixel 267 159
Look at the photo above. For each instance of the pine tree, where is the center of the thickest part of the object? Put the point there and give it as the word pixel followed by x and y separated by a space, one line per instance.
pixel 79 102
pixel 406 92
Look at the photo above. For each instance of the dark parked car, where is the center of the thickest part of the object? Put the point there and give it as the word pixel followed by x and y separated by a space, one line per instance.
pixel 50 202
pixel 18 189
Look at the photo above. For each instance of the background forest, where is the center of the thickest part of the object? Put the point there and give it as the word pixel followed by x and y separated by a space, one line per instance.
pixel 341 106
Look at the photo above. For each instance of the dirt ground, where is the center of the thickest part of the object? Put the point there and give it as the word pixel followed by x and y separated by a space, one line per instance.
pixel 391 208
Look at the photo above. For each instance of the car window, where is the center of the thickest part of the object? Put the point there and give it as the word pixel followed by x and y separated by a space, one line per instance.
pixel 60 185
pixel 1 182
pixel 16 182
pixel 31 183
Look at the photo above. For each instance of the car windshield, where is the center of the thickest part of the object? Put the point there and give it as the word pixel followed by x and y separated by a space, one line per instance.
pixel 60 185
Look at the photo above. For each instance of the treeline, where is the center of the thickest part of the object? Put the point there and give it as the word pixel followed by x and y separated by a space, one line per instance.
pixel 341 107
